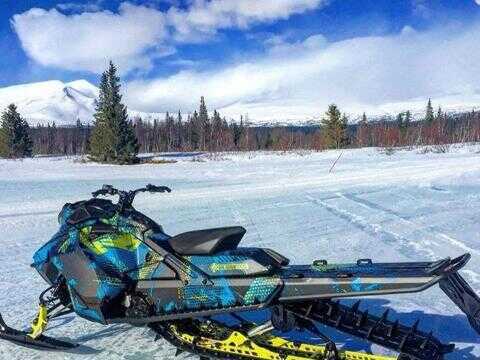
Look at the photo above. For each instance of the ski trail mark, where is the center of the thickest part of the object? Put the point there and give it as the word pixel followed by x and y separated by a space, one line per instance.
pixel 431 233
pixel 243 218
pixel 33 213
pixel 375 230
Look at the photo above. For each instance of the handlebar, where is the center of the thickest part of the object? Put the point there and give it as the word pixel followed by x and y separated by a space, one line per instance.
pixel 126 197
pixel 105 190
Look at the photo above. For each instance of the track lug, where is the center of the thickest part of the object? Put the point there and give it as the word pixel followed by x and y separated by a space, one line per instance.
pixel 356 306
pixel 415 326
pixel 362 318
pixel 339 320
pixel 425 343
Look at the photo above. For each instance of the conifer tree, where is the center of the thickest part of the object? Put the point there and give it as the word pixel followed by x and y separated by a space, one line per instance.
pixel 334 128
pixel 15 140
pixel 237 132
pixel 362 131
pixel 364 118
pixel 429 117
pixel 203 124
pixel 403 120
pixel 400 122
pixel 217 131
pixel 169 128
pixel 52 138
pixel 408 118
pixel 195 131
pixel 439 114
pixel 179 131
pixel 113 138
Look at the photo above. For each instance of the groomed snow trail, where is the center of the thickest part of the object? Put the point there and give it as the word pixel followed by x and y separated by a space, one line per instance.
pixel 404 207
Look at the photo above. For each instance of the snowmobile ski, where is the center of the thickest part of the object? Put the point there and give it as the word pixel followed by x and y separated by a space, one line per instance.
pixel 24 338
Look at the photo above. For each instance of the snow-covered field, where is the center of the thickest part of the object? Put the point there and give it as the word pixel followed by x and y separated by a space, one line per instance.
pixel 407 206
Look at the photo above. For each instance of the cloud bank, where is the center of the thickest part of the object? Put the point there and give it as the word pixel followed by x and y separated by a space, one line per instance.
pixel 299 80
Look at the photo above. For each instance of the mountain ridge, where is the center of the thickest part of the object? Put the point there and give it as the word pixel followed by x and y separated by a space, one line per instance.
pixel 66 102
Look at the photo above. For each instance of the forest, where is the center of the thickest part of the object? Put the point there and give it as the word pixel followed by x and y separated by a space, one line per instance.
pixel 214 133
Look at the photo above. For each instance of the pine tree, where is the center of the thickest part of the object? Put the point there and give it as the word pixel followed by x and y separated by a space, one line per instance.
pixel 334 128
pixel 429 117
pixel 364 118
pixel 237 131
pixel 439 114
pixel 195 131
pixel 362 131
pixel 178 132
pixel 408 119
pixel 217 131
pixel 203 124
pixel 169 129
pixel 400 122
pixel 52 139
pixel 113 138
pixel 15 140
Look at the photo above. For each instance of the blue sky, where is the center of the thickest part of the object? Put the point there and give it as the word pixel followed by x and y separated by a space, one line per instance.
pixel 165 49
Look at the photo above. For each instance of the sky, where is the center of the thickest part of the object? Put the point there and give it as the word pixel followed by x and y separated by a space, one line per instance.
pixel 268 59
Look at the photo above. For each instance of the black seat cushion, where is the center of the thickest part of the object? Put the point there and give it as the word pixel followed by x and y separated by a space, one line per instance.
pixel 208 241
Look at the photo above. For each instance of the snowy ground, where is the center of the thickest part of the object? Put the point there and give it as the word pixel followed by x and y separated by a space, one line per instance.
pixel 407 206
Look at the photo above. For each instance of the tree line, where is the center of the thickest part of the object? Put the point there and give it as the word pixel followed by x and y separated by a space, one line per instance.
pixel 115 138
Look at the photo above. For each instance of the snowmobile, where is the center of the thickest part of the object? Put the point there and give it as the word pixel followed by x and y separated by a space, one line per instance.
pixel 109 263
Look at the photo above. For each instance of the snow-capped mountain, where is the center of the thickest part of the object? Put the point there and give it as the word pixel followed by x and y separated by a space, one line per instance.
pixel 64 103
pixel 50 101
pixel 55 101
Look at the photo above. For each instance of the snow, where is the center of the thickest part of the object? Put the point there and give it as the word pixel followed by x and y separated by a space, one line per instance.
pixel 409 206
pixel 50 101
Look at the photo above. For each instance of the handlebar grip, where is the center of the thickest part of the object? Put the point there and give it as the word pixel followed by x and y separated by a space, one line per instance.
pixel 98 192
pixel 155 188
pixel 105 190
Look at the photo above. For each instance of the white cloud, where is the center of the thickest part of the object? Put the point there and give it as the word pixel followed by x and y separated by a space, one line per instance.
pixel 87 41
pixel 361 74
pixel 136 35
pixel 206 17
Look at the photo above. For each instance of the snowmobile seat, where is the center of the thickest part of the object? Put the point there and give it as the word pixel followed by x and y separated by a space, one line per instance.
pixel 208 241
